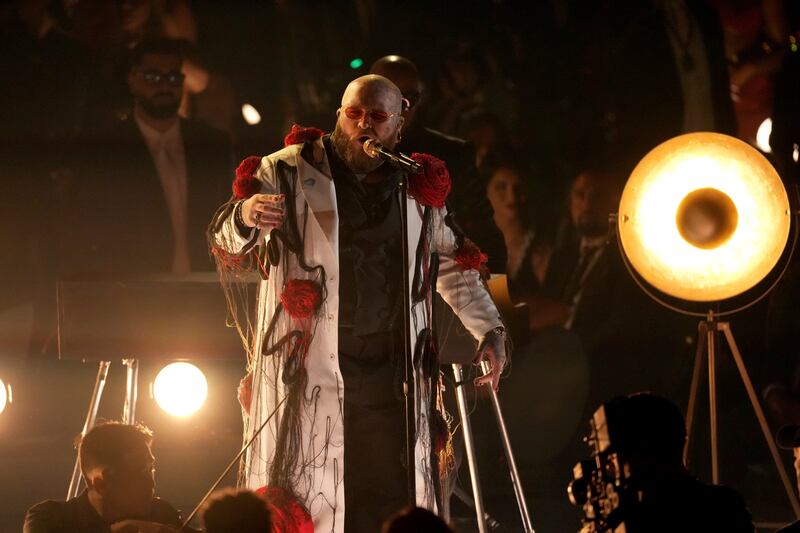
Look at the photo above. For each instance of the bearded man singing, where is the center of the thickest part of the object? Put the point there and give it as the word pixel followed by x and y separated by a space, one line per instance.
pixel 322 221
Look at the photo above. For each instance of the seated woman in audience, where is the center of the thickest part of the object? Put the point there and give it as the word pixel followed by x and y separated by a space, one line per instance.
pixel 506 189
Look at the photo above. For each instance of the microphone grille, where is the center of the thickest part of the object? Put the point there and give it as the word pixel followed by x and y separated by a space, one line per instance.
pixel 372 147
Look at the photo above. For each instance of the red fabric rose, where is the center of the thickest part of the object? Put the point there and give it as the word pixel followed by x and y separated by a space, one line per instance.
pixel 288 514
pixel 246 184
pixel 245 392
pixel 431 186
pixel 299 135
pixel 301 298
pixel 469 256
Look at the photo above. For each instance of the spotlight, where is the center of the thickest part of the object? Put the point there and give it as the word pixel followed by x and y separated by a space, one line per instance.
pixel 180 389
pixel 251 114
pixel 704 217
pixel 5 396
pixel 762 136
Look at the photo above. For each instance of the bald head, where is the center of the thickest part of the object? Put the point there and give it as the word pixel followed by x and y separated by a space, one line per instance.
pixel 371 108
pixel 373 88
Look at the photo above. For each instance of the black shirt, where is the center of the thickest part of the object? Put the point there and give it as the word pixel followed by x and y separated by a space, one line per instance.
pixel 78 516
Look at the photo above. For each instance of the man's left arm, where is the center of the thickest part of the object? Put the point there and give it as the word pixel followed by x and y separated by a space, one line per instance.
pixel 465 292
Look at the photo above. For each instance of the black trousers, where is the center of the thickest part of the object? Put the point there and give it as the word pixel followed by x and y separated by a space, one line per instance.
pixel 374 432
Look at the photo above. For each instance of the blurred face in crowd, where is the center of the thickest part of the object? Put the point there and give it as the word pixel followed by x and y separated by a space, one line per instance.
pixel 370 109
pixel 592 198
pixel 157 85
pixel 404 75
pixel 505 192
pixel 126 489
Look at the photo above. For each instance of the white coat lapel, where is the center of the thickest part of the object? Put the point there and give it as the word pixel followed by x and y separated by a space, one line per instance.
pixel 320 194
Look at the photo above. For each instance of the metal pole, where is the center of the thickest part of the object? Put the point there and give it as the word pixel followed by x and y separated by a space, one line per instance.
pixel 91 416
pixel 408 356
pixel 762 420
pixel 516 481
pixel 131 390
pixel 702 329
pixel 711 335
pixel 469 445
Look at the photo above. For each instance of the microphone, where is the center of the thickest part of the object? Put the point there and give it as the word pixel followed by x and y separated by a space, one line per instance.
pixel 374 148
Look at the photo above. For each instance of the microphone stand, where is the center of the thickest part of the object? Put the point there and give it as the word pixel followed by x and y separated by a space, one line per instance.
pixel 230 466
pixel 408 355
pixel 375 149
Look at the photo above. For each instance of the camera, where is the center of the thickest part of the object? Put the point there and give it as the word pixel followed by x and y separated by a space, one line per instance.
pixel 602 485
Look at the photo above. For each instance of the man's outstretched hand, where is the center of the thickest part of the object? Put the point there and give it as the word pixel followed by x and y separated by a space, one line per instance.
pixel 492 349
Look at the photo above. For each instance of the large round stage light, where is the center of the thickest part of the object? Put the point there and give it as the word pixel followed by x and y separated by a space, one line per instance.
pixel 180 389
pixel 703 217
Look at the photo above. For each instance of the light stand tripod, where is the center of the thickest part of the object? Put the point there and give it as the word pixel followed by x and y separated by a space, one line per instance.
pixel 709 329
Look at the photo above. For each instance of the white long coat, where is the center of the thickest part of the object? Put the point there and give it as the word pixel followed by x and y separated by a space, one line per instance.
pixel 319 474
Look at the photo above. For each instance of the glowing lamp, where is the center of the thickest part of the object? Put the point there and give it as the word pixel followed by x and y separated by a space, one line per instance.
pixel 180 389
pixel 704 217
pixel 250 114
pixel 5 396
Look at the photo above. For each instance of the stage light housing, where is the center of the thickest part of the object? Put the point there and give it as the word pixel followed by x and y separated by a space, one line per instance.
pixel 180 389
pixel 704 217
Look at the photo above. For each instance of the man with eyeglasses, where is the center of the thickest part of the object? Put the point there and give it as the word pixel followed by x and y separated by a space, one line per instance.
pixel 144 188
pixel 119 469
pixel 339 445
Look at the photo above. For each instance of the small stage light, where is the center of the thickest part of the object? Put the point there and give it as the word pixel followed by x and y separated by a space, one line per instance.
pixel 762 136
pixel 180 389
pixel 5 396
pixel 356 63
pixel 251 114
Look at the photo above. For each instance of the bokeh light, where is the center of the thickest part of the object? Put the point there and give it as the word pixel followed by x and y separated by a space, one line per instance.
pixel 762 136
pixel 251 114
pixel 180 389
pixel 5 395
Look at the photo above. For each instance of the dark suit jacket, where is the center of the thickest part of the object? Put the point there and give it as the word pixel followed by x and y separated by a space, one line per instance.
pixel 119 220
pixel 468 195
pixel 78 516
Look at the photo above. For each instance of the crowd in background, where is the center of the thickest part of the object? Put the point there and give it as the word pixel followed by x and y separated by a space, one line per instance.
pixel 558 101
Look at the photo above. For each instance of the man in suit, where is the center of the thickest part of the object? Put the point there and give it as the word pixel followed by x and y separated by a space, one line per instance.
pixel 152 171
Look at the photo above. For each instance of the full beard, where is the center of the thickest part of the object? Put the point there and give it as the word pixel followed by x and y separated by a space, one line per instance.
pixel 352 153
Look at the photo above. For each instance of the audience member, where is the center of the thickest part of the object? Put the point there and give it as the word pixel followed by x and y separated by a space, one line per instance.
pixel 152 170
pixel 507 191
pixel 119 469
pixel 658 493
pixel 666 73
pixel 414 519
pixel 231 511
pixel 466 199
pixel 587 291
pixel 756 36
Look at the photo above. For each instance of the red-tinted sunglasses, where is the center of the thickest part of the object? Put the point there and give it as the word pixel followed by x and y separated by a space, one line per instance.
pixel 376 117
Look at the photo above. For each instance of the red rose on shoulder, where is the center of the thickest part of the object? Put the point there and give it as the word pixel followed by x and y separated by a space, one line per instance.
pixel 246 184
pixel 469 257
pixel 299 135
pixel 431 186
pixel 301 298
